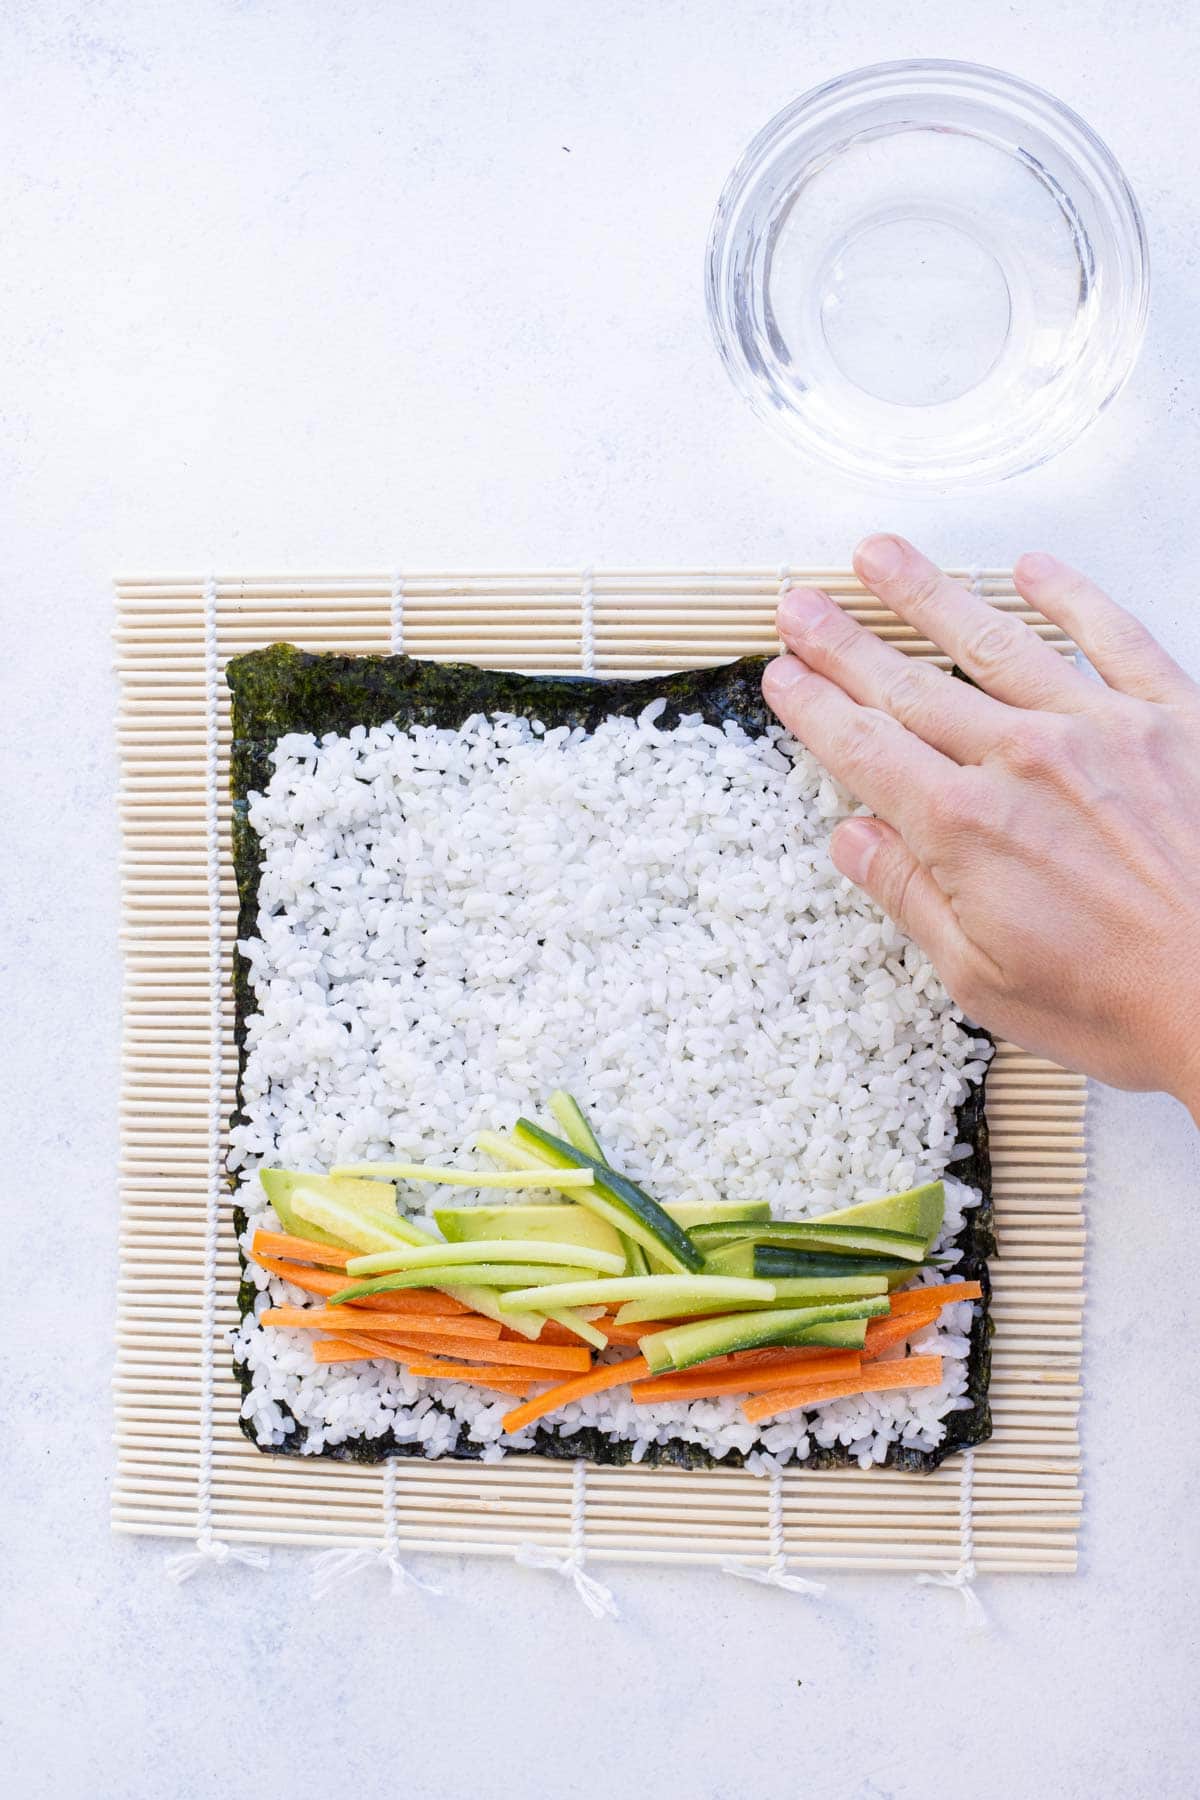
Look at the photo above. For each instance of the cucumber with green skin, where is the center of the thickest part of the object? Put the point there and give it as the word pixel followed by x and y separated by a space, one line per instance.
pixel 771 1260
pixel 813 1234
pixel 681 1346
pixel 653 1228
pixel 787 1293
pixel 775 1264
pixel 575 1128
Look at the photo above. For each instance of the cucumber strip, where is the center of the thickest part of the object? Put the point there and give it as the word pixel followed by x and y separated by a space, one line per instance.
pixel 810 1234
pixel 653 1228
pixel 486 1250
pixel 683 1345
pixel 771 1260
pixel 360 1230
pixel 788 1293
pixel 690 1213
pixel 572 1320
pixel 572 1121
pixel 838 1334
pixel 483 1300
pixel 637 1287
pixel 477 1178
pixel 489 1275
pixel 732 1259
pixel 575 1128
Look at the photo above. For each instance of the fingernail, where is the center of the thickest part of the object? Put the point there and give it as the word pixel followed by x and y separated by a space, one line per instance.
pixel 799 609
pixel 852 848
pixel 879 557
pixel 1036 565
pixel 779 677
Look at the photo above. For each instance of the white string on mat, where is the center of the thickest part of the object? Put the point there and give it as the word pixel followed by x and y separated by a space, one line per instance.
pixel 784 577
pixel 963 1578
pixel 209 1548
pixel 587 621
pixel 776 1572
pixel 595 1596
pixel 397 614
pixel 332 1567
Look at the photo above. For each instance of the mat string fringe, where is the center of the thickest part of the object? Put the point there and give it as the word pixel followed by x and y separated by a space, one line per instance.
pixel 595 1596
pixel 332 1567
pixel 963 1578
pixel 776 1572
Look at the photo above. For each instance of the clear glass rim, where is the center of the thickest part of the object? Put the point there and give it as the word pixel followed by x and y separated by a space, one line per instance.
pixel 920 79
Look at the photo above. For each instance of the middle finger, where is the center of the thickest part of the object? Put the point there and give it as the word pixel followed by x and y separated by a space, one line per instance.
pixel 1001 653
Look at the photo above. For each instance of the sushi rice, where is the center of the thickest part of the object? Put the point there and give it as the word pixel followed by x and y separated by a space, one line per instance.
pixel 452 923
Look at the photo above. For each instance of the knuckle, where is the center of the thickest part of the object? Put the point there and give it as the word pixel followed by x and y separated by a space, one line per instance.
pixel 907 691
pixel 991 647
pixel 1034 747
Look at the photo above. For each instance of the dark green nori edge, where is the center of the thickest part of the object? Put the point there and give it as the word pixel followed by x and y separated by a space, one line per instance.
pixel 283 690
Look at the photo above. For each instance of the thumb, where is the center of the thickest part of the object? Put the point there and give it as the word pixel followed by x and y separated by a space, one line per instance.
pixel 877 859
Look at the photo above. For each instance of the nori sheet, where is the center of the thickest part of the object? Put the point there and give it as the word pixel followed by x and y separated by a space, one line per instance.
pixel 282 689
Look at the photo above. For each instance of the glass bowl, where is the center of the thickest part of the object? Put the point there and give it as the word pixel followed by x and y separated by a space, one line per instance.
pixel 929 274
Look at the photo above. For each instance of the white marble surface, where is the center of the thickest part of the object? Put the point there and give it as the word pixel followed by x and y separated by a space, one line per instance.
pixel 335 283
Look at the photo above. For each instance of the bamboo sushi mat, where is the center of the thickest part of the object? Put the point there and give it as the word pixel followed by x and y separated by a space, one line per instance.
pixel 184 1469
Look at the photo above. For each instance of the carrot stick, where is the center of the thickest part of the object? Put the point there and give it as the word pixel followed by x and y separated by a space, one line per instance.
pixel 604 1375
pixel 633 1334
pixel 367 1349
pixel 410 1355
pixel 343 1318
pixel 526 1360
pixel 298 1249
pixel 911 1372
pixel 920 1297
pixel 893 1331
pixel 320 1281
pixel 481 1373
pixel 702 1381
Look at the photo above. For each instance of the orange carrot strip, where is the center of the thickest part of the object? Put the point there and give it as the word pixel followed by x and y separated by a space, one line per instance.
pixel 320 1281
pixel 604 1375
pixel 557 1359
pixel 919 1297
pixel 401 1345
pixel 892 1331
pixel 330 1350
pixel 365 1349
pixel 485 1374
pixel 699 1383
pixel 343 1318
pixel 633 1334
pixel 910 1372
pixel 298 1249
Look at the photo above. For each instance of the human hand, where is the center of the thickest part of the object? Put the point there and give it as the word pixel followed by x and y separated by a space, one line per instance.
pixel 1040 839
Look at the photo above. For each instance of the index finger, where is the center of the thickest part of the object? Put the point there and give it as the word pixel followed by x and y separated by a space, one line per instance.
pixel 999 652
pixel 884 765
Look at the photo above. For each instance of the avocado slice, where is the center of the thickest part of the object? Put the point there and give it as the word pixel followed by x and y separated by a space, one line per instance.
pixel 345 1191
pixel 551 1223
pixel 918 1212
